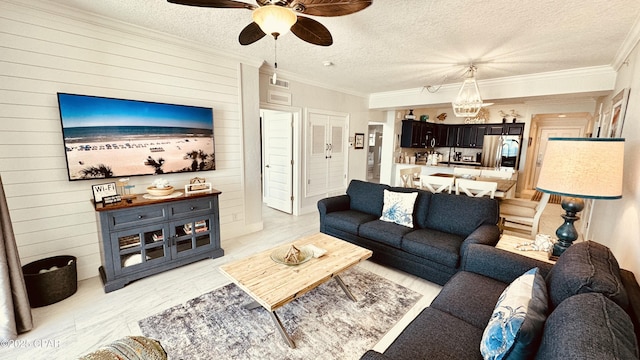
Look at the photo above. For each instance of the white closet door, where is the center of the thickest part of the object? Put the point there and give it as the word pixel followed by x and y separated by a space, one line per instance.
pixel 337 154
pixel 317 155
pixel 326 163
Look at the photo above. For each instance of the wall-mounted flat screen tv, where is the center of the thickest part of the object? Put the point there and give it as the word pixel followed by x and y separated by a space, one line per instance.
pixel 110 138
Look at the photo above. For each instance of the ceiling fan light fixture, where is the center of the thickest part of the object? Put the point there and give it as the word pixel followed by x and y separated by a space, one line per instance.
pixel 468 102
pixel 274 20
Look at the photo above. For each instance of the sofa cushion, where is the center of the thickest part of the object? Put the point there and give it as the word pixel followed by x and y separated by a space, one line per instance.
pixel 421 209
pixel 434 245
pixel 434 334
pixel 460 215
pixel 517 321
pixel 586 267
pixel 469 297
pixel 588 326
pixel 384 232
pixel 398 207
pixel 348 220
pixel 366 197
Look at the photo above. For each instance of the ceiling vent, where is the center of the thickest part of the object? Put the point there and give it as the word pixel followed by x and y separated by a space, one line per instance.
pixel 279 83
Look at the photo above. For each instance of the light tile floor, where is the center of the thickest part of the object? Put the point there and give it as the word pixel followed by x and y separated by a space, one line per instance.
pixel 90 318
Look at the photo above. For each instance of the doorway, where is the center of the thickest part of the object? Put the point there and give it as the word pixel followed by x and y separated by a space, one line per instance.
pixel 278 170
pixel 542 128
pixel 374 153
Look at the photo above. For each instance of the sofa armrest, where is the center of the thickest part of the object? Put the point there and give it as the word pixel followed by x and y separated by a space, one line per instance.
pixel 485 235
pixel 374 355
pixel 334 203
pixel 499 264
pixel 331 204
pixel 633 292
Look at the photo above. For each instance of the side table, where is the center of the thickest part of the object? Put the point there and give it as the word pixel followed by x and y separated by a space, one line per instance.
pixel 509 243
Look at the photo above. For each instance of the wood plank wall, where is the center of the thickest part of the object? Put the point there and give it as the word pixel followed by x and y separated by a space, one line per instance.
pixel 45 50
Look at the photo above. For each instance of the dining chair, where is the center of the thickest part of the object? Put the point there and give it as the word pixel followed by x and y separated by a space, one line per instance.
pixel 411 177
pixel 496 174
pixel 476 188
pixel 437 184
pixel 521 215
pixel 457 171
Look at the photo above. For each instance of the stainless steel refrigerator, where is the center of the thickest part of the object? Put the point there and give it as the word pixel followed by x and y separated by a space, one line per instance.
pixel 501 151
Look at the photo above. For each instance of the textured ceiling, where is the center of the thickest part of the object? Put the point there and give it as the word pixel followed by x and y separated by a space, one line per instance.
pixel 401 44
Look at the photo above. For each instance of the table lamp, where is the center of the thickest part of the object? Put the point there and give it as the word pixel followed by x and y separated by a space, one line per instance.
pixel 576 169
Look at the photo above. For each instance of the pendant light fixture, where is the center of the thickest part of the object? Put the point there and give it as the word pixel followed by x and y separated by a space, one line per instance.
pixel 274 78
pixel 274 20
pixel 468 102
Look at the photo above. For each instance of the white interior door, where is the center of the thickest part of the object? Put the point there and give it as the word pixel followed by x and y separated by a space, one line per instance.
pixel 278 160
pixel 545 134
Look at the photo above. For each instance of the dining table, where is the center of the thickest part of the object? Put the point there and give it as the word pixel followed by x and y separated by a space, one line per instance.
pixel 505 189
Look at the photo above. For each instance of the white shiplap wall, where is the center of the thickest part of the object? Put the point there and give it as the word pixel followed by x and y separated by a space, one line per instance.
pixel 45 50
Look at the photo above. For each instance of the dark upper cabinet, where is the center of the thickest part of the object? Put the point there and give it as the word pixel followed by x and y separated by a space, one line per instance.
pixel 417 134
pixel 411 133
pixel 514 129
pixel 505 129
pixel 495 129
pixel 440 134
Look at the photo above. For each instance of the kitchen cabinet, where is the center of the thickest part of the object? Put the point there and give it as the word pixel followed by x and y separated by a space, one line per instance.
pixel 417 134
pixel 147 236
pixel 440 134
pixel 505 129
pixel 466 136
pixel 514 129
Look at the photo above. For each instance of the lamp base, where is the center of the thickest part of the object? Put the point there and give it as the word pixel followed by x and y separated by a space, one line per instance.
pixel 567 232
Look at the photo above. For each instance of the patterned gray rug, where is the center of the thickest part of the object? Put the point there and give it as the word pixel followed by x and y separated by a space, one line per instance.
pixel 324 323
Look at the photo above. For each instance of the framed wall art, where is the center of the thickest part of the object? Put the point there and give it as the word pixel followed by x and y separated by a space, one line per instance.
pixel 359 141
pixel 618 111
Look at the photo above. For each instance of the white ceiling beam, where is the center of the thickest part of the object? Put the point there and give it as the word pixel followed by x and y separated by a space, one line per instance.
pixel 582 81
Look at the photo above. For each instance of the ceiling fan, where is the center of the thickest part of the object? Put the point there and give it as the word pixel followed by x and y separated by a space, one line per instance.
pixel 285 15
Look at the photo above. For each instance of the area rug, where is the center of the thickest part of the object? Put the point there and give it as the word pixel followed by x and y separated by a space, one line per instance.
pixel 324 323
pixel 553 199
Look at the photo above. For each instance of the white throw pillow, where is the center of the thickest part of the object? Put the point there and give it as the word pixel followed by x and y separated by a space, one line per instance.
pixel 398 207
pixel 518 319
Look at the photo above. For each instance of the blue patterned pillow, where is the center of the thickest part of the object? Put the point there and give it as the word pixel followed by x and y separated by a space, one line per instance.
pixel 516 325
pixel 398 207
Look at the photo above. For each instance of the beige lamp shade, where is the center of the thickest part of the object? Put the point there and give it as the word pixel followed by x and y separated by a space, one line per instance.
pixel 274 20
pixel 583 167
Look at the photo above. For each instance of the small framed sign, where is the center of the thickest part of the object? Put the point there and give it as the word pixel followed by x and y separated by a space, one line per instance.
pixel 102 190
pixel 359 141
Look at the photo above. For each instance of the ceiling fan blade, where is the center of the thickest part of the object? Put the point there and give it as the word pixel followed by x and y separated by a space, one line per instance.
pixel 312 31
pixel 250 34
pixel 229 4
pixel 329 7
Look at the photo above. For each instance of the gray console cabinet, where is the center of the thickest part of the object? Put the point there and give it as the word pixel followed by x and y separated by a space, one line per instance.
pixel 145 237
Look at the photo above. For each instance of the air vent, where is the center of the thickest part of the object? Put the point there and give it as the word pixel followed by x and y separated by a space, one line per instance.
pixel 278 97
pixel 279 83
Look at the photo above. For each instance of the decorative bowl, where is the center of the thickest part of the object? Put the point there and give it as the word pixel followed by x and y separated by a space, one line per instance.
pixel 152 190
pixel 278 256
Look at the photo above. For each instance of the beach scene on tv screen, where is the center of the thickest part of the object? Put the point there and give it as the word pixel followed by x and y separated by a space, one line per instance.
pixel 109 138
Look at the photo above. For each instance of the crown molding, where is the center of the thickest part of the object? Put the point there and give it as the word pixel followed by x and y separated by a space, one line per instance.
pixel 629 43
pixel 75 14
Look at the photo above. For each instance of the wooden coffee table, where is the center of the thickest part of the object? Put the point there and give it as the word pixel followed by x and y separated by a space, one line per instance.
pixel 272 285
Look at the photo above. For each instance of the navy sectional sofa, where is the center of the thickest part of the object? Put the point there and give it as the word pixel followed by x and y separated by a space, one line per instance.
pixel 593 309
pixel 444 225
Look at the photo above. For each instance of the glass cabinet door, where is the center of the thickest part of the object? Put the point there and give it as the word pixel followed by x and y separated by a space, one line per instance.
pixel 190 236
pixel 139 246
